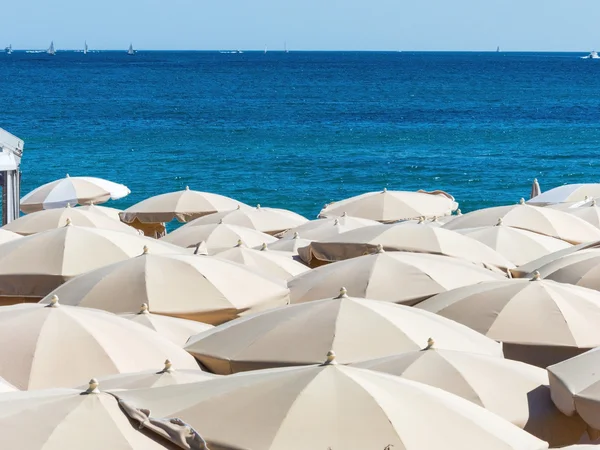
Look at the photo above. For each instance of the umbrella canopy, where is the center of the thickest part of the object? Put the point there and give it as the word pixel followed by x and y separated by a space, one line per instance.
pixel 167 376
pixel 266 220
pixel 72 190
pixel 356 329
pixel 181 205
pixel 33 266
pixel 201 288
pixel 69 419
pixel 590 213
pixel 433 222
pixel 517 245
pixel 323 229
pixel 540 322
pixel 581 268
pixel 113 213
pixel 290 245
pixel 44 346
pixel 403 237
pixel 515 391
pixel 550 222
pixel 8 236
pixel 50 219
pixel 174 329
pixel 5 386
pixel 269 262
pixel 331 406
pixel 398 277
pixel 535 189
pixel 217 237
pixel 390 206
pixel 567 193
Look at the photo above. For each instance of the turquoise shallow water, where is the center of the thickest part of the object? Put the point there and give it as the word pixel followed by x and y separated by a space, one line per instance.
pixel 301 129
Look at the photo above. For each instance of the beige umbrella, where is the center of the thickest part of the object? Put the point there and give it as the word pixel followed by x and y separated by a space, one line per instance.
pixel 398 277
pixel 515 391
pixel 5 386
pixel 535 189
pixel 69 419
pixel 269 262
pixel 323 229
pixel 357 330
pixel 112 213
pixel 433 222
pixel 181 205
pixel 174 329
pixel 290 245
pixel 50 219
pixel 590 213
pixel 549 222
pixel 54 345
pixel 390 206
pixel 33 266
pixel 8 236
pixel 266 220
pixel 540 322
pixel 567 193
pixel 581 268
pixel 403 237
pixel 517 245
pixel 167 376
pixel 331 406
pixel 199 288
pixel 217 237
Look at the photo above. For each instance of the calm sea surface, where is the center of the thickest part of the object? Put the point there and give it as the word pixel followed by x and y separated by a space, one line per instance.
pixel 301 129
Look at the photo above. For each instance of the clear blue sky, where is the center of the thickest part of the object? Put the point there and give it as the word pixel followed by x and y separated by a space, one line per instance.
pixel 545 25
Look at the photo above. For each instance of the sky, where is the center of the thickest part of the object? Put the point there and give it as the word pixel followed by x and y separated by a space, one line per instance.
pixel 408 25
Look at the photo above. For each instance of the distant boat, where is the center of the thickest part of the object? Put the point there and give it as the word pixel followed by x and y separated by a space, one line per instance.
pixel 131 51
pixel 8 50
pixel 265 49
pixel 593 55
pixel 85 48
pixel 285 49
pixel 498 49
pixel 239 52
pixel 51 50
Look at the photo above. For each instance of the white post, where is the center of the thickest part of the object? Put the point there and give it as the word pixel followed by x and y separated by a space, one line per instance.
pixel 10 160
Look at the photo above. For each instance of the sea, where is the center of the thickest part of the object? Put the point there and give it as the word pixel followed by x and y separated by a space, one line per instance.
pixel 300 129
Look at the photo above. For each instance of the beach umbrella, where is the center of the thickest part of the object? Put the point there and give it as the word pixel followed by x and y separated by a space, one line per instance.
pixel 181 205
pixel 398 277
pixel 433 222
pixel 44 346
pixel 319 229
pixel 581 268
pixel 330 406
pixel 517 245
pixel 166 376
pixel 201 288
pixel 266 220
pixel 272 263
pixel 5 386
pixel 32 266
pixel 550 222
pixel 217 237
pixel 540 322
pixel 589 212
pixel 403 237
pixel 70 419
pixel 535 189
pixel 515 391
pixel 8 236
pixel 356 329
pixel 175 329
pixel 567 193
pixel 72 190
pixel 113 213
pixel 290 245
pixel 390 206
pixel 49 219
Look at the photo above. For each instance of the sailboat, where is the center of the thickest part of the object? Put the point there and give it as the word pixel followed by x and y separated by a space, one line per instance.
pixel 8 50
pixel 131 51
pixel 498 49
pixel 51 50
pixel 285 49
pixel 265 49
pixel 85 48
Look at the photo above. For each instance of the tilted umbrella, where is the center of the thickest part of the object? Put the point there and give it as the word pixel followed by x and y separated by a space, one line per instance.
pixel 330 406
pixel 540 322
pixel 581 268
pixel 113 213
pixel 535 189
pixel 181 205
pixel 590 213
pixel 326 228
pixel 356 329
pixel 290 245
pixel 398 277
pixel 8 236
pixel 72 190
pixel 567 193
pixel 5 386
pixel 390 206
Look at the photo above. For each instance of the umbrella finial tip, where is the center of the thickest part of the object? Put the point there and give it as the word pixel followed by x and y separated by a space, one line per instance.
pixel 187 188
pixel 330 358
pixel 54 302
pixel 93 387
pixel 430 343
pixel 68 222
pixel 336 222
pixel 144 309
pixel 220 221
pixel 168 366
pixel 343 293
pixel 240 243
pixel 344 214
pixel 522 201
pixel 145 250
pixel 380 248
pixel 258 206
pixel 296 235
pixel 384 189
pixel 68 205
pixel 593 202
pixel 263 247
pixel 458 212
pixel 536 276
pixel 67 176
pixel 499 221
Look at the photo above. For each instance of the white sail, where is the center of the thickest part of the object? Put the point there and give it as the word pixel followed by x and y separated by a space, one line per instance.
pixel 8 49
pixel 85 48
pixel 131 51
pixel 285 47
pixel 265 49
pixel 51 50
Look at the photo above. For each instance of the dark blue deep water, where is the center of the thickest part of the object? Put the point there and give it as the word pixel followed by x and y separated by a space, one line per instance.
pixel 301 129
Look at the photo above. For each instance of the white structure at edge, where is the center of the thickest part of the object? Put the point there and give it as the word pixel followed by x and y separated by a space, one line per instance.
pixel 10 161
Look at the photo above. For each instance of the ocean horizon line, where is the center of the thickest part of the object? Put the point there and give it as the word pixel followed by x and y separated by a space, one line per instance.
pixel 278 50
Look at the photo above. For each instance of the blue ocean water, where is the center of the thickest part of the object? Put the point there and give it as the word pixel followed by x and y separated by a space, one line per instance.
pixel 301 129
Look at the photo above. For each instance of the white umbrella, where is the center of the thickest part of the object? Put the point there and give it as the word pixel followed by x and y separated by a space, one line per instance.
pixel 567 193
pixel 72 190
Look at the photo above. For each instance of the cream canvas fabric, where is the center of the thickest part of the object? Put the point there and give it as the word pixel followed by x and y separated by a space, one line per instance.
pixel 540 322
pixel 590 213
pixel 567 193
pixel 331 406
pixel 181 205
pixel 201 288
pixel 290 245
pixel 323 229
pixel 112 213
pixel 47 346
pixel 356 329
pixel 8 236
pixel 398 277
pixel 547 221
pixel 581 268
pixel 390 206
